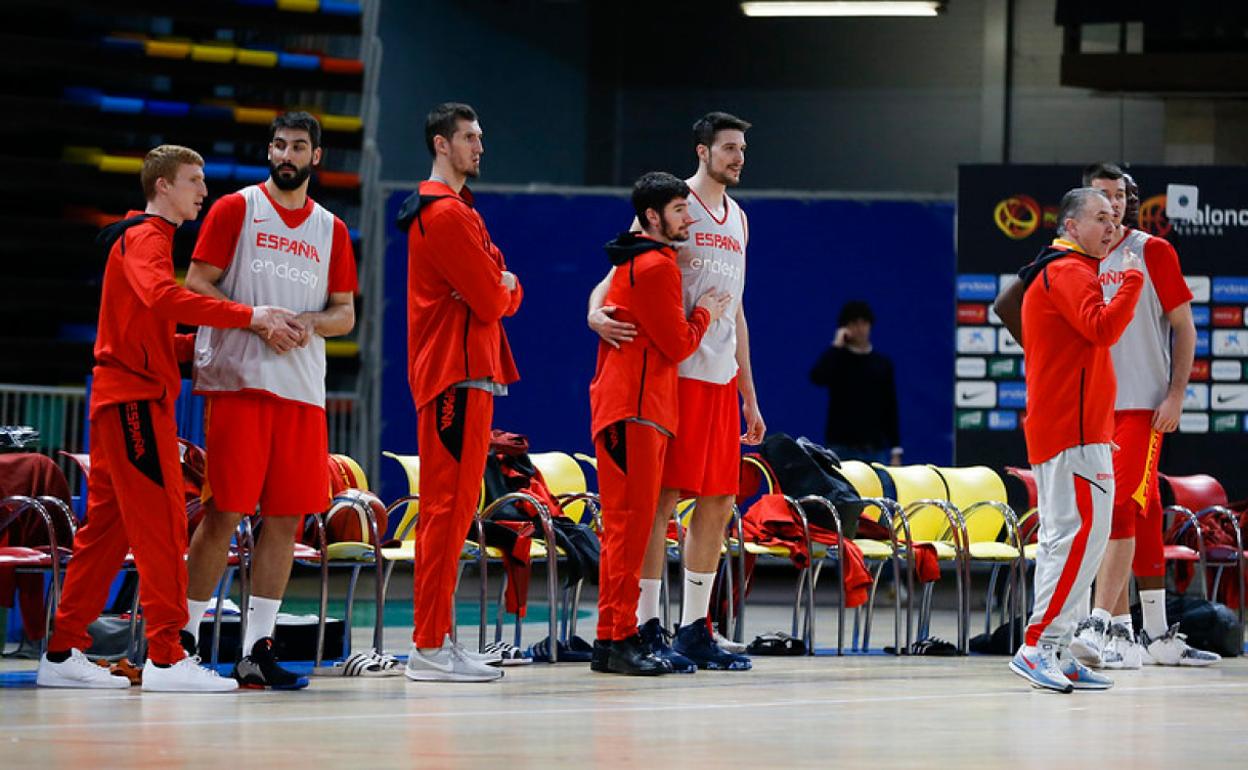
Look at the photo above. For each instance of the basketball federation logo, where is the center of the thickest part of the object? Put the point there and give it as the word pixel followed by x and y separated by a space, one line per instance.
pixel 1017 216
pixel 1153 218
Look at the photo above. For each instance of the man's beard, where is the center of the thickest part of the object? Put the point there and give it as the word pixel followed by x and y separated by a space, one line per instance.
pixel 289 183
pixel 674 234
pixel 723 178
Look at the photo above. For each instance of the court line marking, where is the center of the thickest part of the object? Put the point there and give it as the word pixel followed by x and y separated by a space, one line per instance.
pixel 529 711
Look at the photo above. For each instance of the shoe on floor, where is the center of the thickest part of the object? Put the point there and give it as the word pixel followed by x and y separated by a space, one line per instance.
pixel 77 672
pixel 505 654
pixel 660 640
pixel 485 657
pixel 1081 677
pixel 1039 666
pixel 601 653
pixel 1089 641
pixel 1121 651
pixel 448 664
pixel 633 657
pixel 1172 649
pixel 369 663
pixel 260 670
pixel 185 676
pixel 729 645
pixel 695 642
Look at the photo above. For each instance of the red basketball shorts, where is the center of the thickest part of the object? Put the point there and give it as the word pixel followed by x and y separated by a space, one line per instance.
pixel 266 451
pixel 1137 500
pixel 705 457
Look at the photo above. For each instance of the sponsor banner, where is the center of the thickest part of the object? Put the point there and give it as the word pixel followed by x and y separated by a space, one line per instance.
pixel 1002 420
pixel 972 313
pixel 1222 370
pixel 1199 286
pixel 1200 371
pixel 1006 343
pixel 970 420
pixel 1227 343
pixel 1226 423
pixel 1194 422
pixel 1224 315
pixel 1005 368
pixel 1196 398
pixel 971 368
pixel 1229 398
pixel 976 393
pixel 1012 394
pixel 1200 315
pixel 977 286
pixel 1230 289
pixel 1202 342
pixel 977 339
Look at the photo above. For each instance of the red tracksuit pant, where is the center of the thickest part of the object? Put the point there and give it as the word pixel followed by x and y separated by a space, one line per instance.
pixel 135 501
pixel 453 432
pixel 630 468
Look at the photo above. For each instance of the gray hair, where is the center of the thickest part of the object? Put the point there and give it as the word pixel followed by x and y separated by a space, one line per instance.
pixel 1073 203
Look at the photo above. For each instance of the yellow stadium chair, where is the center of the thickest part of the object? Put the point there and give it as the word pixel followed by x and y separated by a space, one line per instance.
pixel 472 551
pixel 980 495
pixel 213 52
pixel 930 518
pixel 253 58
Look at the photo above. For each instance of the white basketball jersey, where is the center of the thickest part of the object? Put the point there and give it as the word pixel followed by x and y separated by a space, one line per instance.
pixel 713 258
pixel 1142 354
pixel 273 265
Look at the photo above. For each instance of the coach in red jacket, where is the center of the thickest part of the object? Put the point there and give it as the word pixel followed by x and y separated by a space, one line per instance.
pixel 458 290
pixel 633 407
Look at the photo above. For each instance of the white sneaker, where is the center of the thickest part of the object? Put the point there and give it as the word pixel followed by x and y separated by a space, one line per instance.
pixel 728 645
pixel 185 676
pixel 1172 649
pixel 78 672
pixel 1121 651
pixel 1089 641
pixel 448 664
pixel 488 657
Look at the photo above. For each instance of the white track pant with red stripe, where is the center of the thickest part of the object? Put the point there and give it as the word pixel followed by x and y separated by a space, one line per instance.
pixel 1076 502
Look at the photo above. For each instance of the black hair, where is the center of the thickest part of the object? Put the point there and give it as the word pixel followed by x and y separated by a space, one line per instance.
pixel 1131 213
pixel 444 119
pixel 1108 171
pixel 654 190
pixel 298 120
pixel 707 126
pixel 855 310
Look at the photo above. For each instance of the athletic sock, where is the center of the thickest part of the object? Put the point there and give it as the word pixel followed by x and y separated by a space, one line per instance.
pixel 648 602
pixel 1104 615
pixel 261 619
pixel 195 610
pixel 697 596
pixel 1153 603
pixel 1126 621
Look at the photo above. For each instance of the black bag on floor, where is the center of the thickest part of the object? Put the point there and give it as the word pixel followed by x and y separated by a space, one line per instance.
pixel 1208 625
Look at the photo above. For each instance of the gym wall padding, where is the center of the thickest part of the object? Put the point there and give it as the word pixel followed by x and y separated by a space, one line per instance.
pixel 806 256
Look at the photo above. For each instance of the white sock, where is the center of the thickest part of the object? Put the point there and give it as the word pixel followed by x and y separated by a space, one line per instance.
pixel 698 587
pixel 648 602
pixel 1153 602
pixel 1126 621
pixel 195 609
pixel 261 620
pixel 1104 615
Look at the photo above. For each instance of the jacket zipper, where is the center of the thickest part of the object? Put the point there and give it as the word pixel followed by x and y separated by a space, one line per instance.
pixel 641 392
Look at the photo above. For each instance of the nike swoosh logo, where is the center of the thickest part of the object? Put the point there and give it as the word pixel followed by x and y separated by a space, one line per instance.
pixel 445 668
pixel 258 221
pixel 696 582
pixel 1030 665
pixel 1224 399
pixel 970 396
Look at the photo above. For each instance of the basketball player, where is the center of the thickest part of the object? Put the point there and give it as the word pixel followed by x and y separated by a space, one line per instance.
pixel 458 291
pixel 704 458
pixel 1068 329
pixel 633 406
pixel 134 490
pixel 266 430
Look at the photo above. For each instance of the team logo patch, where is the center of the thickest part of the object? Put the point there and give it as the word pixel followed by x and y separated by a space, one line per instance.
pixel 450 406
pixel 140 439
pixel 613 437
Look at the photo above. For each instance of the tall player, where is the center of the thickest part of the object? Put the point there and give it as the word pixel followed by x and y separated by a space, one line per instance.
pixel 1068 329
pixel 634 410
pixel 458 291
pixel 134 491
pixel 704 458
pixel 266 430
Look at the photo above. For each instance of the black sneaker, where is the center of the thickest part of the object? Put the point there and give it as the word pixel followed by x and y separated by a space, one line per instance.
pixel 260 670
pixel 602 651
pixel 660 640
pixel 633 657
pixel 695 642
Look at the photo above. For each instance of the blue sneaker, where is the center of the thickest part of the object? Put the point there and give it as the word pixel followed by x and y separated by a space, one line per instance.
pixel 1081 677
pixel 1040 667
pixel 659 638
pixel 695 642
